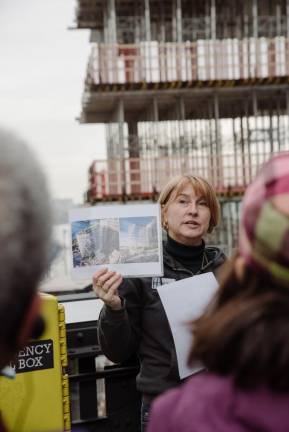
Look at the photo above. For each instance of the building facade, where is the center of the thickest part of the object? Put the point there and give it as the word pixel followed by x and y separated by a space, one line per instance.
pixel 186 86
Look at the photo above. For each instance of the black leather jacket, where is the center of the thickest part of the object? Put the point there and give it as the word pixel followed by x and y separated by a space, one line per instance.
pixel 141 326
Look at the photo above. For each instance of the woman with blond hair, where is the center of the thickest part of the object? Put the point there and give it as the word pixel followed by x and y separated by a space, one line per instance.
pixel 243 337
pixel 133 320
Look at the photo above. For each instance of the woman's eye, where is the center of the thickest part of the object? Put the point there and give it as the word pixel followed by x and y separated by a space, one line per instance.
pixel 203 203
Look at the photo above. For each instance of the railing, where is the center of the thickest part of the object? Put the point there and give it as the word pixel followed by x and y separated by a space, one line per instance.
pixel 135 176
pixel 203 60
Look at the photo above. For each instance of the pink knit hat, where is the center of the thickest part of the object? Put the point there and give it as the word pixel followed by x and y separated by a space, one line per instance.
pixel 264 232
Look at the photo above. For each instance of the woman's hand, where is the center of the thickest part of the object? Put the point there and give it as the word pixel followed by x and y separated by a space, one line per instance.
pixel 105 285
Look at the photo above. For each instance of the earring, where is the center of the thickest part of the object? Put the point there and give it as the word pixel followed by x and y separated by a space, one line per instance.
pixel 166 225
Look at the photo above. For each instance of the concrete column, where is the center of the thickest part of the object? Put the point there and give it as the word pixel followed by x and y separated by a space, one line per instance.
pixel 213 20
pixel 112 19
pixel 133 145
pixel 278 19
pixel 147 20
pixel 287 17
pixel 217 160
pixel 179 20
pixel 255 18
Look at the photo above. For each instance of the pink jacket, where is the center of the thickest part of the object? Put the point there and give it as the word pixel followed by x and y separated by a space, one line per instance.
pixel 210 403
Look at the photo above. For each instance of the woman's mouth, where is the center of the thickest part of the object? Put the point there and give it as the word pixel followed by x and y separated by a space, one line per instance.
pixel 192 223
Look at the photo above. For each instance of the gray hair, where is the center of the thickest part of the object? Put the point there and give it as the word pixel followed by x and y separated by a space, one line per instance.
pixel 25 229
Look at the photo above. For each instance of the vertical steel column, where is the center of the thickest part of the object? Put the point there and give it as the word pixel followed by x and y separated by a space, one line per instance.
pixel 255 113
pixel 248 140
pixel 212 73
pixel 120 118
pixel 181 133
pixel 229 227
pixel 255 18
pixel 245 19
pixel 179 28
pixel 174 21
pixel 148 60
pixel 255 36
pixel 278 19
pixel 105 24
pixel 110 51
pixel 157 137
pixel 112 22
pixel 244 179
pixel 147 20
pixel 110 149
pixel 207 19
pixel 137 31
pixel 155 119
pixel 162 24
pixel 133 147
pixel 211 142
pixel 278 113
pixel 179 21
pixel 213 20
pixel 236 165
pixel 112 163
pixel 285 112
pixel 271 132
pixel 218 162
pixel 287 17
pixel 134 158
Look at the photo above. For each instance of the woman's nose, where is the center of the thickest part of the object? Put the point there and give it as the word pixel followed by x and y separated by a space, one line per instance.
pixel 193 208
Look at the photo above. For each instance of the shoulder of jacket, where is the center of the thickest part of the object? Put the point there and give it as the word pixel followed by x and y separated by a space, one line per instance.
pixel 215 254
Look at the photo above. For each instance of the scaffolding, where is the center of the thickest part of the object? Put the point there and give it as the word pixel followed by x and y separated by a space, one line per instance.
pixel 199 87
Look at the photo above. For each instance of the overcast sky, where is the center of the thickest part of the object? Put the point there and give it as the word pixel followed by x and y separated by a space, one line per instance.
pixel 42 70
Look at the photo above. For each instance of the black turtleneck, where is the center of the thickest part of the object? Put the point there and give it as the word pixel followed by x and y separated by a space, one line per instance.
pixel 191 257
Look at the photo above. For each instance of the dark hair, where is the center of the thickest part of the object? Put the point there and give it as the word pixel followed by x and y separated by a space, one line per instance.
pixel 25 225
pixel 245 331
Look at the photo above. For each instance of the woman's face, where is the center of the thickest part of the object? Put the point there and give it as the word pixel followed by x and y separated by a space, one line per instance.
pixel 188 217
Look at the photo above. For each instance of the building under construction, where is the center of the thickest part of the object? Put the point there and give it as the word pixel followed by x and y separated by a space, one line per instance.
pixel 186 86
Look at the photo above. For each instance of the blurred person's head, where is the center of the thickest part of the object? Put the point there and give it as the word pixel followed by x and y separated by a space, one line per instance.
pixel 190 209
pixel 245 330
pixel 24 243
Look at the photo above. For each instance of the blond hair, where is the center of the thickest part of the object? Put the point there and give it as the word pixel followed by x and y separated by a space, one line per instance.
pixel 201 187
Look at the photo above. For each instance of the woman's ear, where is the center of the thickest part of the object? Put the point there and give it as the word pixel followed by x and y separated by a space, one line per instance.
pixel 239 266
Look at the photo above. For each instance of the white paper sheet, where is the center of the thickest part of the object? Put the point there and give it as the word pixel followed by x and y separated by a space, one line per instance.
pixel 82 310
pixel 183 301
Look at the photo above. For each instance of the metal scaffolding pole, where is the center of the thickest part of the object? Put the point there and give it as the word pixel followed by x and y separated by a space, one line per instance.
pixel 255 113
pixel 155 115
pixel 278 112
pixel 255 18
pixel 147 20
pixel 105 25
pixel 120 119
pixel 286 117
pixel 287 17
pixel 217 139
pixel 278 19
pixel 213 20
pixel 133 147
pixel 249 147
pixel 162 24
pixel 235 144
pixel 271 132
pixel 112 21
pixel 179 20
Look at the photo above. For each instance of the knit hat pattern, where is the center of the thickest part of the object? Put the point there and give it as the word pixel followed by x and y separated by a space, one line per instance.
pixel 264 231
